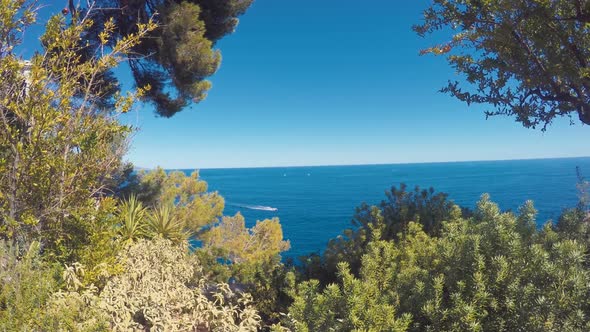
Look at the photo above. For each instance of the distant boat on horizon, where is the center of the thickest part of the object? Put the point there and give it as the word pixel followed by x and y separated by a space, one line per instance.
pixel 255 207
pixel 264 208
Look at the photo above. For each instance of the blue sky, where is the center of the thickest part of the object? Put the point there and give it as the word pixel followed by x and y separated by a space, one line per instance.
pixel 307 82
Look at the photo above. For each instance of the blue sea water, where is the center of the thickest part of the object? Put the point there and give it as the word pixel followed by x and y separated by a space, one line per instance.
pixel 315 204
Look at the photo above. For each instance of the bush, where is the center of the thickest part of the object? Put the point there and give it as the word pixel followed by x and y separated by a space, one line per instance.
pixel 392 215
pixel 491 272
pixel 162 288
pixel 26 284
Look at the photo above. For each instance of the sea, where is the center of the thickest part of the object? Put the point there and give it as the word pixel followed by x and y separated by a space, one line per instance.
pixel 315 204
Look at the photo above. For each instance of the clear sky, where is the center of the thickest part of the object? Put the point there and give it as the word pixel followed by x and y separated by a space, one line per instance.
pixel 308 82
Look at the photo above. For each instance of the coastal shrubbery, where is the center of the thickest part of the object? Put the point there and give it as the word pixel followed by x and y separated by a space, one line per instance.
pixel 393 215
pixel 161 287
pixel 494 271
pixel 89 244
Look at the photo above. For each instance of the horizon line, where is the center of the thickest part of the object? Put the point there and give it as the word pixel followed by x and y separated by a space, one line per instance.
pixel 363 164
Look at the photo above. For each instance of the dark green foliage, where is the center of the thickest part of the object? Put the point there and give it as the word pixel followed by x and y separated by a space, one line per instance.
pixel 269 288
pixel 401 206
pixel 583 187
pixel 527 59
pixel 426 207
pixel 177 58
pixel 183 57
pixel 220 16
pixel 575 224
pixel 129 181
pixel 269 284
pixel 123 182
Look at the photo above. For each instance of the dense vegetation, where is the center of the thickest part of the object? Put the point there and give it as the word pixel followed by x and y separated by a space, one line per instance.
pixel 88 244
pixel 493 271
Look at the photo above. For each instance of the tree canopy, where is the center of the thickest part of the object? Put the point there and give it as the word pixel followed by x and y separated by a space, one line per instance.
pixel 175 59
pixel 528 59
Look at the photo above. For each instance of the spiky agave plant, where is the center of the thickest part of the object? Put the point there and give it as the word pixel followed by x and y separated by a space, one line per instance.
pixel 162 223
pixel 132 214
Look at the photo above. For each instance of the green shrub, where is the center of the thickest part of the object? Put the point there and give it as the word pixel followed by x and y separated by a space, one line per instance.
pixel 26 283
pixel 161 288
pixel 492 272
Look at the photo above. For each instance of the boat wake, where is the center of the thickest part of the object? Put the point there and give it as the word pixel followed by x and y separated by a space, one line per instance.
pixel 255 207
